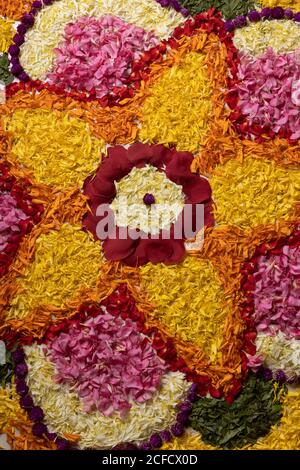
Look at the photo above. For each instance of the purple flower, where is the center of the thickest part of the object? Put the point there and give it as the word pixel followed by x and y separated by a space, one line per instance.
pixel 240 21
pixel 186 406
pixel 193 388
pixel 149 199
pixel 155 441
pixel 21 370
pixel 177 429
pixel 36 414
pixel 184 12
pixel 14 50
pixel 51 436
pixel 229 25
pixel 164 3
pixel 18 356
pixel 280 376
pixel 288 13
pixel 26 402
pixel 166 436
pixel 254 16
pixel 19 39
pixel 146 446
pixel 38 429
pixel 277 13
pixel 266 12
pixel 176 5
pixel 182 417
pixel 48 2
pixel 15 61
pixel 37 4
pixel 62 444
pixel 267 374
pixel 22 29
pixel 22 387
pixel 24 77
pixel 192 397
pixel 28 19
pixel 297 17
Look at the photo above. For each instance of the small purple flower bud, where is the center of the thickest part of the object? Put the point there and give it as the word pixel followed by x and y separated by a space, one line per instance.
pixel 48 2
pixel 19 39
pixel 267 374
pixel 14 50
pixel 28 19
pixel 18 356
pixel 155 441
pixel 177 430
pixel 22 29
pixel 22 388
pixel 240 21
pixel 38 429
pixel 186 406
pixel 36 414
pixel 192 397
pixel 289 14
pixel 24 77
pixel 277 13
pixel 254 16
pixel 146 446
pixel 166 436
pixel 297 17
pixel 62 444
pixel 229 25
pixel 21 370
pixel 184 12
pixel 26 402
pixel 280 376
pixel 266 12
pixel 182 417
pixel 149 199
pixel 37 4
pixel 51 436
pixel 193 388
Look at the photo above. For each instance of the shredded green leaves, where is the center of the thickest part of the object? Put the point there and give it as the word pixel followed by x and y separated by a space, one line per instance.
pixel 229 8
pixel 5 76
pixel 249 417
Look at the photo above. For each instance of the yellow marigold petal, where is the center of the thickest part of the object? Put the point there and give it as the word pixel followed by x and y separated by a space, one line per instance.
pixel 181 117
pixel 64 262
pixel 252 192
pixel 294 4
pixel 188 300
pixel 58 149
pixel 6 33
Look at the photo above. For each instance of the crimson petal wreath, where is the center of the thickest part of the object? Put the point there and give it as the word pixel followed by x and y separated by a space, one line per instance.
pixel 158 174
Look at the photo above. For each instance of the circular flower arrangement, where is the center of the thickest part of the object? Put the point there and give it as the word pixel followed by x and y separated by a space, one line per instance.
pixel 267 105
pixel 149 225
pixel 162 180
pixel 272 289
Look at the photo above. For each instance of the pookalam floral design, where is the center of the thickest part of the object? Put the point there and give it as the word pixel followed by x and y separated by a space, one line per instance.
pixel 122 331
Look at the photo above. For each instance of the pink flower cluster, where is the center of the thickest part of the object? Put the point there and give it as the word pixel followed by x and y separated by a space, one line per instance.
pixel 97 54
pixel 10 217
pixel 108 362
pixel 269 92
pixel 277 293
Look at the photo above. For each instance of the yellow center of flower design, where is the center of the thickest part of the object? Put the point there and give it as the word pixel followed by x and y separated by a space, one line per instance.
pixel 188 301
pixel 129 207
pixel 182 116
pixel 65 261
pixel 282 36
pixel 56 148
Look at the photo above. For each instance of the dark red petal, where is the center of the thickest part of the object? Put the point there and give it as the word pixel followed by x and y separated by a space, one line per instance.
pixel 160 251
pixel 178 169
pixel 196 189
pixel 116 250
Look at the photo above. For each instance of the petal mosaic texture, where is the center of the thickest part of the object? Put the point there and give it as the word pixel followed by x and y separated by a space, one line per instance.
pixel 149 225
